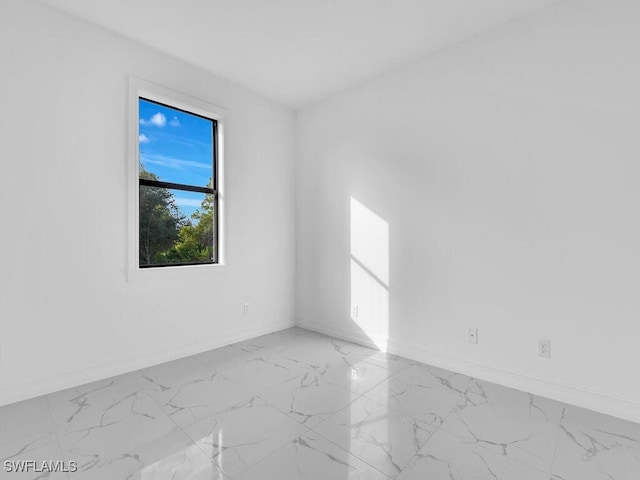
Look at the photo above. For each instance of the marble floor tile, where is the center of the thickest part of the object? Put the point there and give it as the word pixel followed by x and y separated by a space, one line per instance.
pixel 448 456
pixel 256 345
pixel 41 452
pixel 319 351
pixel 353 352
pixel 282 340
pixel 524 436
pixel 592 446
pixel 308 404
pixel 518 471
pixel 300 405
pixel 244 434
pixel 25 426
pixel 392 363
pixel 311 457
pixel 171 375
pixel 376 434
pixel 223 358
pixel 264 371
pixel 199 399
pixel 359 377
pixel 522 402
pixel 100 404
pixel 118 429
pixel 170 457
pixel 470 391
pixel 421 396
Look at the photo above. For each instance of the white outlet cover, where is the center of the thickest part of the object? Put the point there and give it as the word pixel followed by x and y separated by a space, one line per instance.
pixel 544 347
pixel 472 335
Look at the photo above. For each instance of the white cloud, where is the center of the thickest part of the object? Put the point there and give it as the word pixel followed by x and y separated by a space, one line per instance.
pixel 188 202
pixel 174 122
pixel 142 138
pixel 157 119
pixel 171 162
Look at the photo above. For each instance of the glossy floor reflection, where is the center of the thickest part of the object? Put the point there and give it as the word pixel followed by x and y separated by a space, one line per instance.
pixel 299 405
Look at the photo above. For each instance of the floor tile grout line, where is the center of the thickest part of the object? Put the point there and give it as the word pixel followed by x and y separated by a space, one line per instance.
pixel 394 409
pixel 404 414
pixel 252 393
pixel 550 473
pixel 323 420
pixel 269 404
pixel 181 429
pixel 364 393
pixel 428 440
pixel 25 448
pixel 488 449
pixel 151 393
pixel 222 373
pixel 555 450
pixel 56 430
pixel 213 460
pixel 352 454
pixel 258 392
pixel 359 395
pixel 182 385
pixel 269 456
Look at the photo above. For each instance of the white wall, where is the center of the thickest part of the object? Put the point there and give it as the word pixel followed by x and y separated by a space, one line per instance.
pixel 506 170
pixel 67 313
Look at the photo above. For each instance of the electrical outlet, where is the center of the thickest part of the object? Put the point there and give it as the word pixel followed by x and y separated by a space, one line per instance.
pixel 472 335
pixel 544 348
pixel 246 308
pixel 355 311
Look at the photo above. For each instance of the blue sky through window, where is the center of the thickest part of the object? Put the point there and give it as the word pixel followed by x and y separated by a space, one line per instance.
pixel 178 148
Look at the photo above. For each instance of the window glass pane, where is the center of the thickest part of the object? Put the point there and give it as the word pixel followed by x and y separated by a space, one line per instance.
pixel 175 146
pixel 176 227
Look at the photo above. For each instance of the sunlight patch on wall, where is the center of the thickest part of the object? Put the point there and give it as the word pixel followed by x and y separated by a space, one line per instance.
pixel 370 273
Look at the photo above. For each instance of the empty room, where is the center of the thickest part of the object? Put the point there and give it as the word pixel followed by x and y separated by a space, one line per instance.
pixel 320 240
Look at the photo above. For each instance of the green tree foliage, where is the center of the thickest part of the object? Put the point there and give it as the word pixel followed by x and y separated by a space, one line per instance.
pixel 160 220
pixel 195 238
pixel 166 235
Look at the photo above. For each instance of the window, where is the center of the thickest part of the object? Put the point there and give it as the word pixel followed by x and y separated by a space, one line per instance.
pixel 177 187
pixel 176 157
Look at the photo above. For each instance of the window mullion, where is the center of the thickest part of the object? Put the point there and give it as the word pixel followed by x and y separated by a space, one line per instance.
pixel 175 186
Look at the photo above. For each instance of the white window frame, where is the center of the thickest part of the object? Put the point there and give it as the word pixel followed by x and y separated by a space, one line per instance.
pixel 140 88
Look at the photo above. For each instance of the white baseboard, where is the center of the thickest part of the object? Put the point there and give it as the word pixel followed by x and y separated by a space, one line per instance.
pixel 562 392
pixel 60 381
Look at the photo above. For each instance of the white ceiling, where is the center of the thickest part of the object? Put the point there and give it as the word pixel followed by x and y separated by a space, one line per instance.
pixel 298 51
